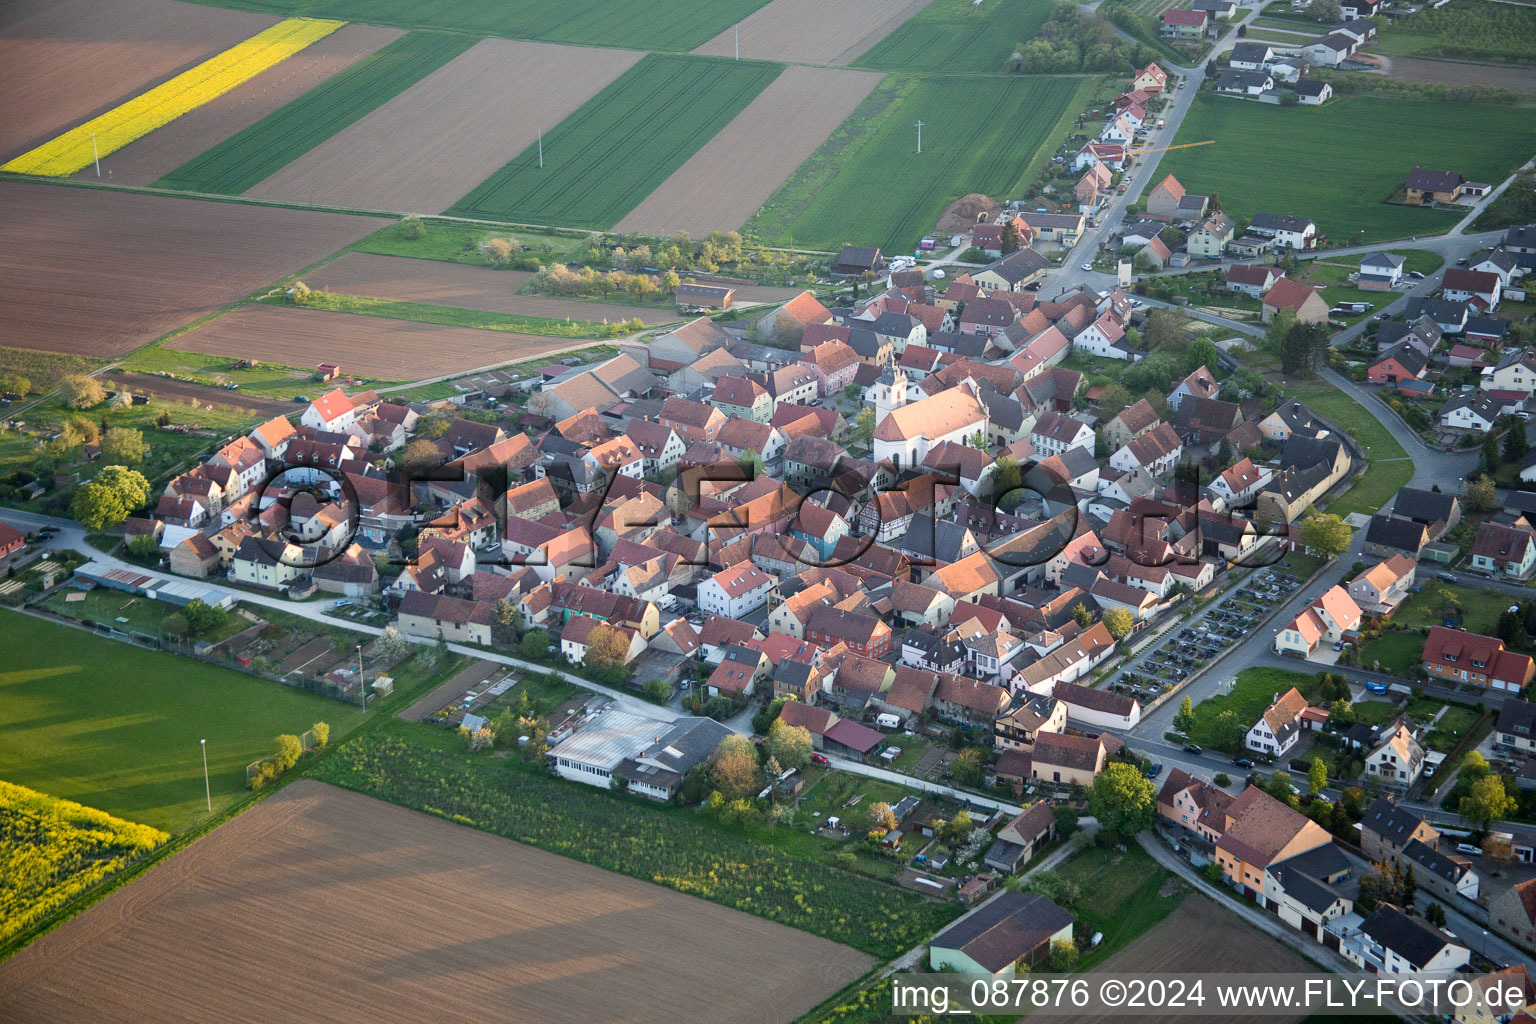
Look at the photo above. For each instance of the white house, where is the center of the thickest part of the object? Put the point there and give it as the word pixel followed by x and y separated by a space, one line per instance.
pixel 1118 130
pixel 736 591
pixel 1471 410
pixel 1397 759
pixel 335 412
pixel 1248 56
pixel 1287 230
pixel 1382 268
pixel 1234 487
pixel 1055 433
pixel 1279 727
pixel 1515 371
pixel 1104 337
pixel 1391 942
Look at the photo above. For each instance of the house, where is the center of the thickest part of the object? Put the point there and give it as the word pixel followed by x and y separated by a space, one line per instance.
pixel 577 637
pixel 854 260
pixel 1387 536
pixel 1380 270
pixel 1236 486
pixel 1355 9
pixel 1013 273
pixel 969 701
pixel 1030 831
pixel 1064 760
pixel 1306 303
pixel 1445 875
pixel 195 556
pixel 1401 362
pixel 1094 182
pixel 1211 237
pixel 904 435
pixel 1331 50
pixel 1505 550
pixel 1258 833
pixel 1429 186
pixel 740 397
pixel 1279 727
pixel 1251 56
pixel 1284 229
pixel 1156 451
pixel 1033 716
pixel 1513 913
pixel 1325 620
pixel 335 412
pixel 1130 423
pixel 691 421
pixel 1381 588
pixel 1245 83
pixel 651 756
pixel 453 619
pixel 1058 227
pixel 1310 92
pixel 1515 371
pixel 1396 759
pixel 1471 410
pixel 1200 383
pixel 1014 928
pixel 1151 78
pixel 1478 288
pixel 738 673
pixel 1119 130
pixel 1088 708
pixel 1165 196
pixel 1183 26
pixel 736 591
pixel 1251 280
pixel 1291 419
pixel 1516 726
pixel 1387 830
pixel 1055 433
pixel 1157 253
pixel 1392 942
pixel 1206 421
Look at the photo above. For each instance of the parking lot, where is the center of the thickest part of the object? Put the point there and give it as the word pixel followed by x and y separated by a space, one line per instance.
pixel 1193 645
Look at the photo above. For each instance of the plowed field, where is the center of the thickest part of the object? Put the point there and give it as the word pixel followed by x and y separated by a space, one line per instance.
pixel 812 31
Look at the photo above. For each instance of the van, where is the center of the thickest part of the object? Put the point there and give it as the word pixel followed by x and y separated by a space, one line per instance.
pixel 1159 125
pixel 1469 849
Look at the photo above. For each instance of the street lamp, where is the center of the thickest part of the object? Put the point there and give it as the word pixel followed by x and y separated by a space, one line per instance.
pixel 362 689
pixel 207 789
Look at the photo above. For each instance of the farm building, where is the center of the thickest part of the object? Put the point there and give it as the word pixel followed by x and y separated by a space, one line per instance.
pixel 651 755
pixel 696 298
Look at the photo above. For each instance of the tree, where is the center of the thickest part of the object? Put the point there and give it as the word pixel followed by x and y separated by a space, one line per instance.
pixel 882 816
pixel 201 616
pixel 411 227
pixel 1497 848
pixel 790 745
pixel 1317 776
pixel 1480 495
pixel 419 456
pixel 606 645
pixel 1491 460
pixel 498 252
pixel 864 426
pixel 733 768
pixel 1475 766
pixel 15 384
pixel 670 281
pixel 432 427
pixel 1326 11
pixel 1435 915
pixel 1184 721
pixel 507 621
pixel 535 644
pixel 322 733
pixel 1113 400
pixel 1279 326
pixel 1063 955
pixel 144 547
pixel 1013 236
pixel 1228 733
pixel 77 430
pixel 1081 615
pixel 1325 534
pixel 288 750
pixel 122 445
pixel 175 625
pixel 1280 785
pixel 1304 348
pixel 1516 447
pixel 957 828
pixel 1119 622
pixel 657 690
pixel 391 646
pixel 98 505
pixel 1341 712
pixel 1486 802
pixel 970 766
pixel 1123 800
pixel 80 391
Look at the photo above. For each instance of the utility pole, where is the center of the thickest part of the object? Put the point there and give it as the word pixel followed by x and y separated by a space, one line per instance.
pixel 738 40
pixel 919 136
pixel 207 790
pixel 541 149
pixel 95 154
pixel 362 687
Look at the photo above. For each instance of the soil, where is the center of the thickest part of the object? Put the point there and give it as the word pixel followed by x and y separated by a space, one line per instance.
pixel 63 62
pixel 813 31
pixel 960 216
pixel 369 346
pixel 165 149
pixel 721 186
pixel 97 273
pixel 1455 72
pixel 391 916
pixel 428 147
pixel 439 283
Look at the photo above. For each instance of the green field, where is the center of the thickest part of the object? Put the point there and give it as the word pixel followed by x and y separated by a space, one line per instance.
pixel 1393 652
pixel 455 317
pixel 117 728
pixel 456 242
pixel 867 183
pixel 1472 29
pixel 629 24
pixel 267 380
pixel 260 150
pixel 1279 37
pixel 1288 159
pixel 957 35
pixel 600 162
pixel 1122 896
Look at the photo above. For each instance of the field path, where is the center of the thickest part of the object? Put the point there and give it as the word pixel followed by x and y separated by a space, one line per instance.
pixel 392 916
pixel 165 149
pixel 439 283
pixel 813 31
pixel 426 148
pixel 721 186
pixel 63 62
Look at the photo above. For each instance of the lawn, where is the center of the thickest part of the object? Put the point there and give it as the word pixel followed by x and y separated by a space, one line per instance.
pixel 1480 608
pixel 110 607
pixel 1390 467
pixel 267 379
pixel 958 35
pixel 601 161
pixel 628 24
pixel 1252 692
pixel 868 184
pixel 1282 38
pixel 457 242
pixel 115 727
pixel 1393 652
pixel 454 317
pixel 260 150
pixel 1374 712
pixel 1121 896
pixel 1243 170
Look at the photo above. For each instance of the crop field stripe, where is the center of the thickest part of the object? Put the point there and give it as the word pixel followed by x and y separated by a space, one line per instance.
pixel 957 35
pixel 250 156
pixel 601 161
pixel 78 147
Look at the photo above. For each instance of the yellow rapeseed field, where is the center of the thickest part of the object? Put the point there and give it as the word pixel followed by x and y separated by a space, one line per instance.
pixel 164 103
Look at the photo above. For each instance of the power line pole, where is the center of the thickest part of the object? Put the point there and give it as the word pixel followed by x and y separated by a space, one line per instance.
pixel 738 41
pixel 95 154
pixel 207 790
pixel 919 136
pixel 541 149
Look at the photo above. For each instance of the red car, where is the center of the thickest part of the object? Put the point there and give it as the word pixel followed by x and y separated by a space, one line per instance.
pixel 819 759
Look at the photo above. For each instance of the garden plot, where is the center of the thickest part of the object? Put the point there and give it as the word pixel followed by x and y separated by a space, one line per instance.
pixel 723 184
pixel 812 31
pixel 430 145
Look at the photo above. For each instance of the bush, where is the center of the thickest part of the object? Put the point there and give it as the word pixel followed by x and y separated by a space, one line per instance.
pixel 322 733
pixel 288 750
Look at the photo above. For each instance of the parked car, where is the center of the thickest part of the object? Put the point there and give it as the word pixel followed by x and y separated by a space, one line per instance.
pixel 1469 849
pixel 1193 748
pixel 1155 770
pixel 1416 275
pixel 1243 762
pixel 1447 576
pixel 1087 266
pixel 819 759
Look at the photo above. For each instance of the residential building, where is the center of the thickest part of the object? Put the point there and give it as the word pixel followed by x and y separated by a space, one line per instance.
pixel 1279 728
pixel 1387 830
pixel 1063 759
pixel 1381 588
pixel 1505 550
pixel 1473 658
pixel 1014 928
pixel 1397 759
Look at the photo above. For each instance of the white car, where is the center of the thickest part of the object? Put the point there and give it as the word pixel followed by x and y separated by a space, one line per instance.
pixel 1087 266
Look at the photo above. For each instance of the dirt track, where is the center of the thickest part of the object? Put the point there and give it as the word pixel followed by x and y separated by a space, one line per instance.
pixel 813 31
pixel 721 186
pixel 425 149
pixel 63 62
pixel 321 904
pixel 165 149
pixel 369 346
pixel 440 283
pixel 97 273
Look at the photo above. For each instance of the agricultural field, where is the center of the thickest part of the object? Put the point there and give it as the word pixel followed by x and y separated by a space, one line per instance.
pixel 365 345
pixel 630 24
pixel 721 186
pixel 1521 78
pixel 436 283
pixel 958 35
pixel 165 149
pixel 449 316
pixel 1502 33
pixel 868 183
pixel 117 728
pixel 812 31
pixel 428 146
pixel 106 134
pixel 453 241
pixel 601 161
pixel 267 380
pixel 1123 893
pixel 44 370
pixel 679 848
pixel 54 850
pixel 494 924
pixel 1239 169
pixel 126 264
pixel 64 61
pixel 260 150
